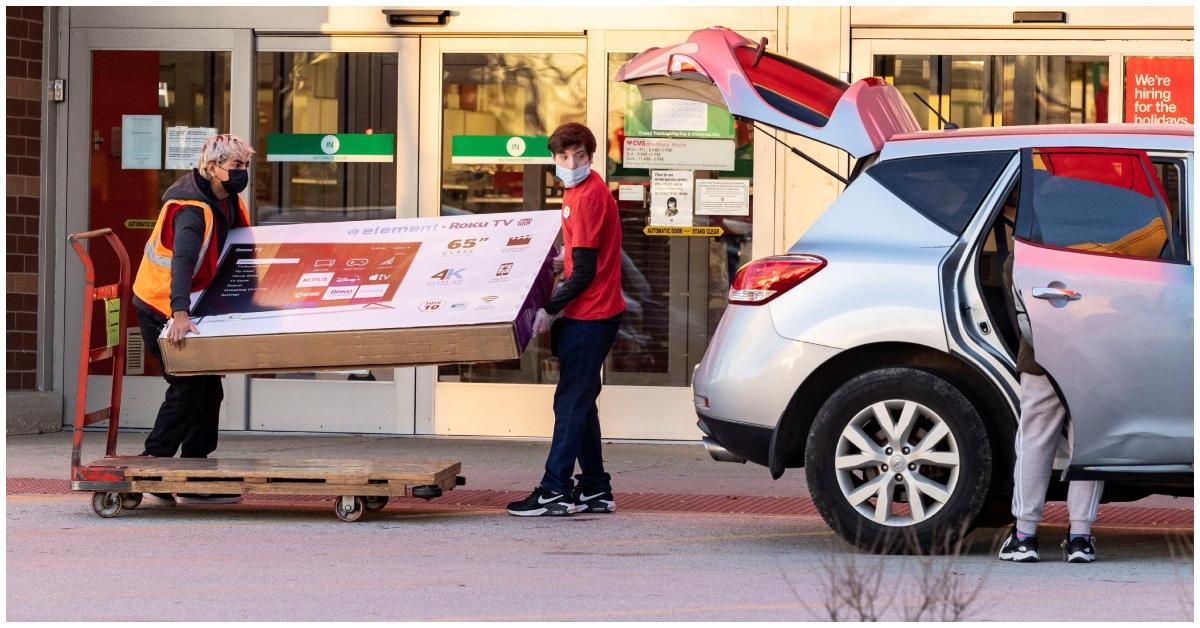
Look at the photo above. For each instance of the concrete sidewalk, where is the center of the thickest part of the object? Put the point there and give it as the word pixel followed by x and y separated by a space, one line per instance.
pixel 505 465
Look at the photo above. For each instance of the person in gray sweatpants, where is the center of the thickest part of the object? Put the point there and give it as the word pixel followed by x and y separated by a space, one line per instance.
pixel 1038 430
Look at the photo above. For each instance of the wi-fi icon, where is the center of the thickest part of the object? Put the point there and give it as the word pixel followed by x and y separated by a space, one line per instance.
pixel 489 299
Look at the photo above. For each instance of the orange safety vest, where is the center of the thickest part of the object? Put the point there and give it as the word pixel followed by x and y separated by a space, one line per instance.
pixel 153 282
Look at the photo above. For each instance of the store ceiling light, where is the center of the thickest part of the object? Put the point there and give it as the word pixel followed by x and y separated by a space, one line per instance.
pixel 1039 17
pixel 417 17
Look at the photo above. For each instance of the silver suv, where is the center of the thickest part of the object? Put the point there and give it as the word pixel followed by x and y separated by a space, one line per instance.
pixel 879 352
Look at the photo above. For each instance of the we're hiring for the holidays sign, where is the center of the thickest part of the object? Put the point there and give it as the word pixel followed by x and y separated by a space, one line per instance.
pixel 1158 90
pixel 377 274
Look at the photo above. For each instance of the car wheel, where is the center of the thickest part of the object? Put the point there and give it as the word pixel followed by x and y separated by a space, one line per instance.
pixel 898 459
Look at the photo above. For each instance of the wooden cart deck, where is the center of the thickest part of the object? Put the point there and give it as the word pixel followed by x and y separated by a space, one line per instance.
pixel 278 477
pixel 359 484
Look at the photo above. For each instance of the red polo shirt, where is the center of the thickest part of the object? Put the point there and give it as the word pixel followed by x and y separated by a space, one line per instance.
pixel 590 220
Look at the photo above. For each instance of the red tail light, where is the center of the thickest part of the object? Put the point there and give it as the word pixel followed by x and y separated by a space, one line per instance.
pixel 762 280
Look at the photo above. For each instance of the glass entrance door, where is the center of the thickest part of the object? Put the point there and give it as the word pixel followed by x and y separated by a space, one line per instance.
pixel 135 101
pixel 674 287
pixel 315 87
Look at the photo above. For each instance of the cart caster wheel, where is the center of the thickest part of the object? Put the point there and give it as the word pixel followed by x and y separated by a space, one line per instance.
pixel 129 501
pixel 107 505
pixel 349 509
pixel 426 492
pixel 375 503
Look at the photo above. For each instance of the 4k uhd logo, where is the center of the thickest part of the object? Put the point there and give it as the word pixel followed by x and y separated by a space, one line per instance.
pixel 448 274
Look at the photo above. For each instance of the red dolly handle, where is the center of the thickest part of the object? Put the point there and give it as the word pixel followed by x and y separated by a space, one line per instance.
pixel 88 355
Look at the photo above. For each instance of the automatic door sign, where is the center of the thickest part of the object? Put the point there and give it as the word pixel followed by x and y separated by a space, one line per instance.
pixel 500 149
pixel 329 147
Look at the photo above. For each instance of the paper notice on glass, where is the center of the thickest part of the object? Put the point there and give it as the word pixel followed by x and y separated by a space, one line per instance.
pixel 183 145
pixel 631 192
pixel 671 197
pixel 141 142
pixel 678 115
pixel 723 197
pixel 668 153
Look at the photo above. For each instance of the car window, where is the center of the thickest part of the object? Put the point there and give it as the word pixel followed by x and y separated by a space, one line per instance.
pixel 1101 201
pixel 947 189
pixel 1170 173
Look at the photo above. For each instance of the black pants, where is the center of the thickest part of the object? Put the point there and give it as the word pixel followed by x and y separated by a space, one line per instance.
pixel 581 349
pixel 191 411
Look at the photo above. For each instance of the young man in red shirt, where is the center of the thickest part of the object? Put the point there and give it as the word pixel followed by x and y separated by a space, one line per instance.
pixel 590 305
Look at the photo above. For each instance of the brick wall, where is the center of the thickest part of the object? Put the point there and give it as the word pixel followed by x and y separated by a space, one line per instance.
pixel 23 129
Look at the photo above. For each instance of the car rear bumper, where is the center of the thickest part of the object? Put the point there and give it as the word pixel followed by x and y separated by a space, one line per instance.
pixel 749 372
pixel 743 440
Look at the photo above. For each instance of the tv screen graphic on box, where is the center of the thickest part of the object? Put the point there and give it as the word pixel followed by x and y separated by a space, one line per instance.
pixel 379 274
pixel 288 276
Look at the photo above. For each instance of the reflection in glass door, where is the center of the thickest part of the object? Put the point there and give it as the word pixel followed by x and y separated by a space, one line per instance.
pixel 676 288
pixel 1000 90
pixel 334 146
pixel 488 98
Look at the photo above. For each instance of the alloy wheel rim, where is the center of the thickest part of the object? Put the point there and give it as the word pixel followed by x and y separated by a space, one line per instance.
pixel 897 463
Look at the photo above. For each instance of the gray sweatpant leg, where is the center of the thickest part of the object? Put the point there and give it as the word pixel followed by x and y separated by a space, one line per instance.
pixel 1042 417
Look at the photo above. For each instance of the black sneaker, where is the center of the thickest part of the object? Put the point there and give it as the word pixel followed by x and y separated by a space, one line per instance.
pixel 1080 550
pixel 1019 551
pixel 542 502
pixel 587 500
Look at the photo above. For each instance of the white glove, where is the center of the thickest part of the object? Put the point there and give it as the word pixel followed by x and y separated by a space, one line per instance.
pixel 542 322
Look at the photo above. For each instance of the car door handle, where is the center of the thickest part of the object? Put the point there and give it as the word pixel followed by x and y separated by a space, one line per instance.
pixel 1056 293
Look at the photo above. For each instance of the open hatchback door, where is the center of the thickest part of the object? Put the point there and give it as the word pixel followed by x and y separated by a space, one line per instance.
pixel 720 67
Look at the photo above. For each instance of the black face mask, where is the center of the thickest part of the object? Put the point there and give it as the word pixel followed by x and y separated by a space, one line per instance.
pixel 237 181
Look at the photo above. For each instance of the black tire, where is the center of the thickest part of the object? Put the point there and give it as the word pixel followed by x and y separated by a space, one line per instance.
pixel 941 529
pixel 129 501
pixel 375 503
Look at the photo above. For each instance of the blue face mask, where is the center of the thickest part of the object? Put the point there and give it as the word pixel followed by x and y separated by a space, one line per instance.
pixel 572 178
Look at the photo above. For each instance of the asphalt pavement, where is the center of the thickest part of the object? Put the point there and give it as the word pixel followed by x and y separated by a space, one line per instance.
pixel 290 559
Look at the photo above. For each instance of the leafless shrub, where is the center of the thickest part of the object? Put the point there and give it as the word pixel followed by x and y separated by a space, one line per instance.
pixel 943 593
pixel 854 589
pixel 851 584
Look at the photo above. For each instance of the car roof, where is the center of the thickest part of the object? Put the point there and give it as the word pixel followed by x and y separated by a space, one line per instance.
pixel 1145 136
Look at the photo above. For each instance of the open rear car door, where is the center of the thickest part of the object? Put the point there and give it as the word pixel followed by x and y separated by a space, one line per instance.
pixel 720 67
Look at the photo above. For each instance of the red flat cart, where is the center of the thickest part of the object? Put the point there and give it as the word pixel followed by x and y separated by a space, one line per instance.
pixel 118 482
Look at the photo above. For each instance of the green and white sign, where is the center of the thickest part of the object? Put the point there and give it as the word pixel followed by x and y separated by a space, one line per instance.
pixel 334 147
pixel 500 149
